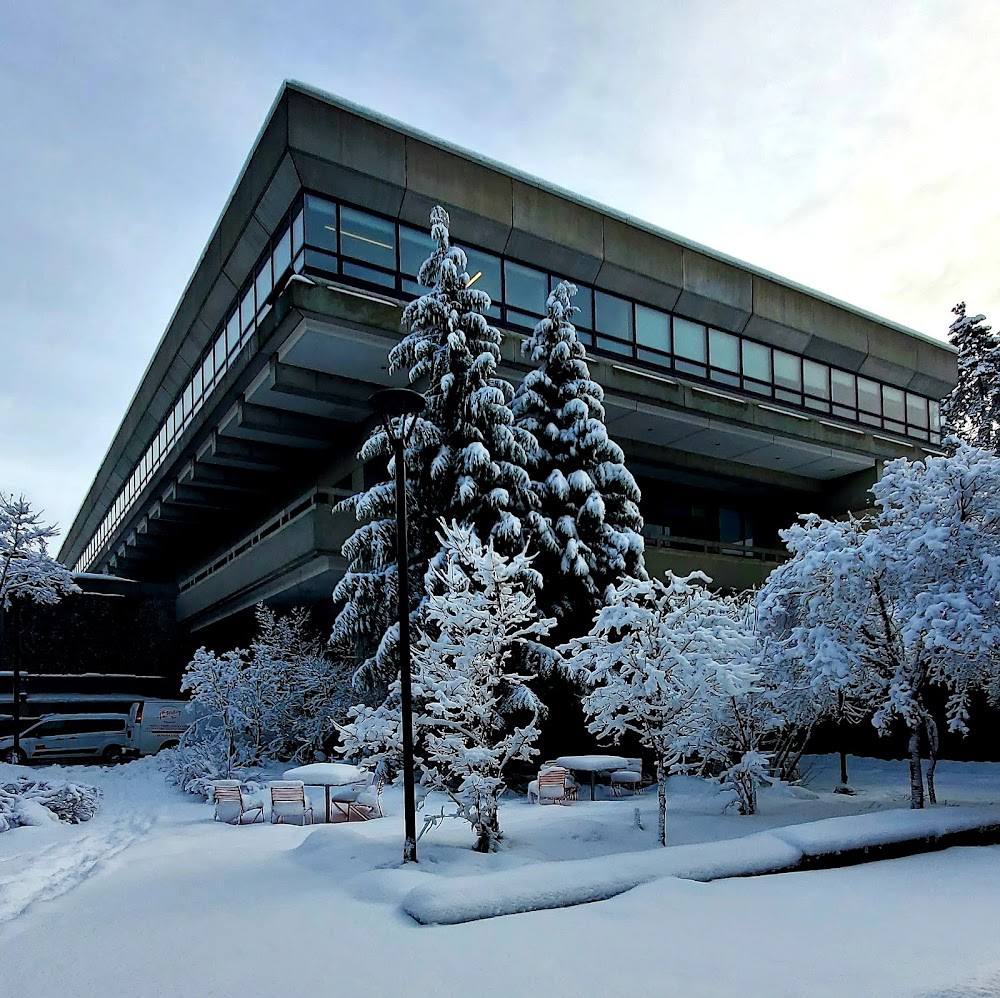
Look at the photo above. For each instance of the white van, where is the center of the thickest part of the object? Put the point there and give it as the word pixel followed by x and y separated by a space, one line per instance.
pixel 71 736
pixel 158 724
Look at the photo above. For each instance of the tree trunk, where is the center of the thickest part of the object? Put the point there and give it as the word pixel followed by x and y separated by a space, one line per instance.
pixel 488 831
pixel 930 726
pixel 916 771
pixel 661 793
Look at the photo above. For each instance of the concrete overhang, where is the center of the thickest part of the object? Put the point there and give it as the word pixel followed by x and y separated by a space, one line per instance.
pixel 312 140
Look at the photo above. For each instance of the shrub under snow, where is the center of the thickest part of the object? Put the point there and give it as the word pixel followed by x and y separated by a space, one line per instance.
pixel 21 799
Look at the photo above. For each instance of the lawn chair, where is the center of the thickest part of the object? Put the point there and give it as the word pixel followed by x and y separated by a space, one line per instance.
pixel 288 802
pixel 627 780
pixel 368 804
pixel 554 785
pixel 229 804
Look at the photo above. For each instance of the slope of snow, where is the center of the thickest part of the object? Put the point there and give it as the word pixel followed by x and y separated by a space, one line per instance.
pixel 195 908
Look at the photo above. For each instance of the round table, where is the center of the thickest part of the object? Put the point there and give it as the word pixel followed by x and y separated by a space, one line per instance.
pixel 328 775
pixel 592 764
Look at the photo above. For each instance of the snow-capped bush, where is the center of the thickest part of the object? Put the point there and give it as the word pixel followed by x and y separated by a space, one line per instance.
pixel 69 802
pixel 203 756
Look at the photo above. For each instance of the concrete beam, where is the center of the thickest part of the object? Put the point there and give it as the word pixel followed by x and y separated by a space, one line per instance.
pixel 226 452
pixel 272 426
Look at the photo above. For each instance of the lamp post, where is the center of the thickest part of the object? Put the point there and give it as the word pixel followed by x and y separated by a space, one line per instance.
pixel 394 406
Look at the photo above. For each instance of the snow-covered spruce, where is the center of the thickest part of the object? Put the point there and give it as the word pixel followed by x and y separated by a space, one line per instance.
pixel 27 801
pixel 972 410
pixel 660 658
pixel 465 459
pixel 906 599
pixel 473 713
pixel 588 530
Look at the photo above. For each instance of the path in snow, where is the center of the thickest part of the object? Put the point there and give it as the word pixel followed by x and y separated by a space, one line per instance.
pixel 30 872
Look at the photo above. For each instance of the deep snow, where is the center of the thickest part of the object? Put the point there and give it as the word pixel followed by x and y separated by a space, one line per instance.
pixel 167 902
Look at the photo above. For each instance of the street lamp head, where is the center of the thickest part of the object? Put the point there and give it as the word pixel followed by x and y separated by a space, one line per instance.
pixel 390 402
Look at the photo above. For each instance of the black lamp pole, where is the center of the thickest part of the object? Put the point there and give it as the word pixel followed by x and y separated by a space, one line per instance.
pixel 396 404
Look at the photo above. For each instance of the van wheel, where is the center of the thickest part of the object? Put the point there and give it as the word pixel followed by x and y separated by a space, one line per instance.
pixel 168 745
pixel 15 757
pixel 112 755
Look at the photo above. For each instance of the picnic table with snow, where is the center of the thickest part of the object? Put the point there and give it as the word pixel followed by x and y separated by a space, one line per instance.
pixel 351 780
pixel 592 764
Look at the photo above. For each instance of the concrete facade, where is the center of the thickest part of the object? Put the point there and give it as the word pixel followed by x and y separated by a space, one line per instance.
pixel 283 422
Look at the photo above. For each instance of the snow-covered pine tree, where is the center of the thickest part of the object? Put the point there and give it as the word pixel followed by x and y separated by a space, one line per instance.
pixel 465 460
pixel 972 410
pixel 27 570
pixel 474 713
pixel 588 530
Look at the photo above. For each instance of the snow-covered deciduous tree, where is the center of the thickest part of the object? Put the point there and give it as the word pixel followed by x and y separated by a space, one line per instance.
pixel 904 600
pixel 27 570
pixel 465 460
pixel 658 658
pixel 587 529
pixel 473 712
pixel 282 696
pixel 972 410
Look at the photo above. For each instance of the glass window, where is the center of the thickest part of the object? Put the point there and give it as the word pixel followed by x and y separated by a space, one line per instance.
pixel 842 385
pixel 370 274
pixel 233 332
pixel 652 328
pixel 935 412
pixel 484 275
pixel 916 410
pixel 689 340
pixel 583 301
pixel 724 350
pixel 297 232
pixel 525 288
pixel 892 404
pixel 787 370
pixel 320 223
pixel 613 315
pixel 869 396
pixel 365 237
pixel 263 282
pixel 247 310
pixel 757 364
pixel 414 247
pixel 219 351
pixel 816 378
pixel 282 254
pixel 208 370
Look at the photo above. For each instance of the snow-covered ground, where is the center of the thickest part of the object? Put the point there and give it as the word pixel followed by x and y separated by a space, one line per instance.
pixel 152 897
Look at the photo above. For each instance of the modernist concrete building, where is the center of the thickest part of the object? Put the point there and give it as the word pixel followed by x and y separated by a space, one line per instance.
pixel 739 398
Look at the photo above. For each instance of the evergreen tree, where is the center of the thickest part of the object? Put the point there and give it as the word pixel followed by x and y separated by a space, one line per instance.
pixel 588 528
pixel 465 458
pixel 972 410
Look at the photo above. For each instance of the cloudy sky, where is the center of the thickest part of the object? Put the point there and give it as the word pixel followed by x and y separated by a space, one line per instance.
pixel 850 146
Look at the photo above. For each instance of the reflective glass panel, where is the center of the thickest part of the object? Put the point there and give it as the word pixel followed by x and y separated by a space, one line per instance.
pixel 724 350
pixel 842 385
pixel 652 328
pixel 689 340
pixel 525 288
pixel 365 237
pixel 613 315
pixel 756 361
pixel 282 254
pixel 220 352
pixel 321 224
pixel 297 232
pixel 816 378
pixel 916 410
pixel 583 302
pixel 935 411
pixel 787 371
pixel 892 403
pixel 484 275
pixel 414 247
pixel 868 396
pixel 246 309
pixel 233 332
pixel 263 282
